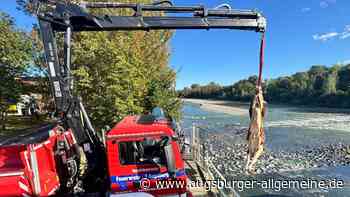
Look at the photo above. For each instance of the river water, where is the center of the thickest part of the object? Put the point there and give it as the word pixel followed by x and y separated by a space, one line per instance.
pixel 287 129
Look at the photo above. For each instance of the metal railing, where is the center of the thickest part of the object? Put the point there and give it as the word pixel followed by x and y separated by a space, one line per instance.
pixel 199 153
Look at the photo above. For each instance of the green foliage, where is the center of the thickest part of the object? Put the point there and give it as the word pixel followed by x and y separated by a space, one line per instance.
pixel 123 73
pixel 242 90
pixel 15 54
pixel 212 90
pixel 344 79
pixel 330 83
pixel 15 46
pixel 320 86
pixel 120 73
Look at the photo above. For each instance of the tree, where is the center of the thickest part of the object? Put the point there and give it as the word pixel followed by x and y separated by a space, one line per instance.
pixel 15 55
pixel 344 78
pixel 301 84
pixel 330 83
pixel 194 86
pixel 121 73
pixel 244 89
pixel 322 86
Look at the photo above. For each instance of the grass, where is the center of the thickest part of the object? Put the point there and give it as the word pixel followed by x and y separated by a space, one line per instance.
pixel 17 125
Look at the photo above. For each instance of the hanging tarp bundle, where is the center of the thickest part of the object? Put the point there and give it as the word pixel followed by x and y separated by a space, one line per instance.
pixel 256 135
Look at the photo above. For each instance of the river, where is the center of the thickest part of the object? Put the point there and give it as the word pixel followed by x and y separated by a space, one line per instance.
pixel 287 129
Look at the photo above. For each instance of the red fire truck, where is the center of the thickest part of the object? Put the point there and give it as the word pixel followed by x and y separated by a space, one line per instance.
pixel 139 148
pixel 72 159
pixel 144 148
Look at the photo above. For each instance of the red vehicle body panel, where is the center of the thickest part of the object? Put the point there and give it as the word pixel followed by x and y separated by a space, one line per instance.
pixel 124 177
pixel 18 166
pixel 11 170
pixel 18 163
pixel 10 159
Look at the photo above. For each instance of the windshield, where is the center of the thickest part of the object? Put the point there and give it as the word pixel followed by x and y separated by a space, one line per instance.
pixel 148 151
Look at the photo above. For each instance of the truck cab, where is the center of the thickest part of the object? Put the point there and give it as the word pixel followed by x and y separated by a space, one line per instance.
pixel 141 152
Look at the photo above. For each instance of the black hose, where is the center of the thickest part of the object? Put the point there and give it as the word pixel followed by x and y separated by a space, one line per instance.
pixel 161 2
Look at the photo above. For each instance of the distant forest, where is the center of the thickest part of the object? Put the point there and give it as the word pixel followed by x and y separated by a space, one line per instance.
pixel 319 86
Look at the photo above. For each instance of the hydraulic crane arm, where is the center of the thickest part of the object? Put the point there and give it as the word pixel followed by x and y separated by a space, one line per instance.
pixel 69 17
pixel 57 18
pixel 201 18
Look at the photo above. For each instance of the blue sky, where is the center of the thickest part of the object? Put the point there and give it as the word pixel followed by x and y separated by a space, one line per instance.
pixel 300 33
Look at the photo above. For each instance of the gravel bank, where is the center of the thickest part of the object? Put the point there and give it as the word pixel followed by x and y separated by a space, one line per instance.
pixel 226 107
pixel 230 157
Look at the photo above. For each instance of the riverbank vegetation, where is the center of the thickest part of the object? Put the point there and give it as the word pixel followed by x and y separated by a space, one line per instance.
pixel 319 86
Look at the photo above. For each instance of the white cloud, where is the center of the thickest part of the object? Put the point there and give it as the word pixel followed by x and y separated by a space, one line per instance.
pixel 306 9
pixel 326 3
pixel 346 33
pixel 325 37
